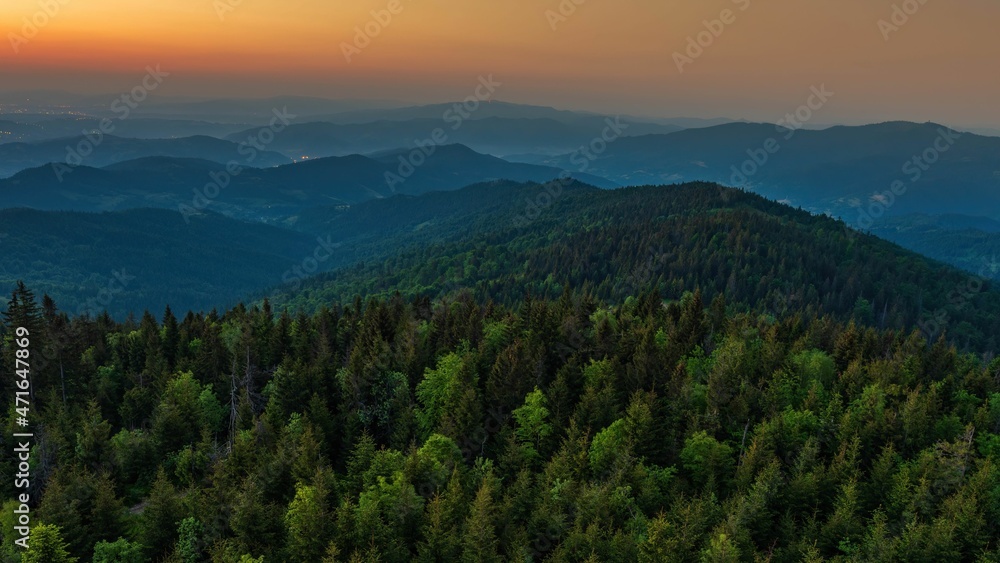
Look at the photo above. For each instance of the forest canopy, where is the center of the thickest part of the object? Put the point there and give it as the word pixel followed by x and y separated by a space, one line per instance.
pixel 556 428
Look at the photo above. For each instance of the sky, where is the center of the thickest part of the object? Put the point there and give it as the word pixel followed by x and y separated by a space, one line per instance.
pixel 756 59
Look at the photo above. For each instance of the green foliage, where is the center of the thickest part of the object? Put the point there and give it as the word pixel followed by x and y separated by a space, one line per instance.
pixel 608 445
pixel 186 410
pixel 480 542
pixel 814 367
pixel 439 390
pixel 676 239
pixel 84 506
pixel 8 520
pixel 554 430
pixel 707 461
pixel 157 525
pixel 45 545
pixel 212 411
pixel 721 549
pixel 143 258
pixel 189 537
pixel 532 421
pixel 118 551
pixel 306 523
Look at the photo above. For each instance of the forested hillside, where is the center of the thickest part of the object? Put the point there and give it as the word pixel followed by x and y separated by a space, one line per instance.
pixel 537 373
pixel 835 170
pixel 970 243
pixel 127 261
pixel 559 429
pixel 763 255
pixel 96 149
pixel 237 189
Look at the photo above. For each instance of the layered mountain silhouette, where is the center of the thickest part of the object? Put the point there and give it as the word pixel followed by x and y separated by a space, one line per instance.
pixel 493 135
pixel 62 127
pixel 504 240
pixel 840 170
pixel 924 186
pixel 98 150
pixel 194 185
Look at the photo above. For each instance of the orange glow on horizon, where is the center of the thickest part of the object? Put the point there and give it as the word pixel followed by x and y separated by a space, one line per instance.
pixel 611 54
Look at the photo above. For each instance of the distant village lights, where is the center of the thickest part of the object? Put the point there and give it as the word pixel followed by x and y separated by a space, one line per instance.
pixel 249 149
pixel 456 115
pixel 122 107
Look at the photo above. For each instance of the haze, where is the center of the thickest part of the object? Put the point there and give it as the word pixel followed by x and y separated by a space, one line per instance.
pixel 604 56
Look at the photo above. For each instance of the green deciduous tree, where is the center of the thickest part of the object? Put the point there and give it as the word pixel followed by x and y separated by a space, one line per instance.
pixel 118 551
pixel 448 398
pixel 708 462
pixel 46 546
pixel 189 540
pixel 306 522
pixel 533 425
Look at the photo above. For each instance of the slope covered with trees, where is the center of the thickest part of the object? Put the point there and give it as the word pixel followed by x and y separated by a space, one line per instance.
pixel 763 255
pixel 558 429
pixel 970 243
pixel 683 373
pixel 143 258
